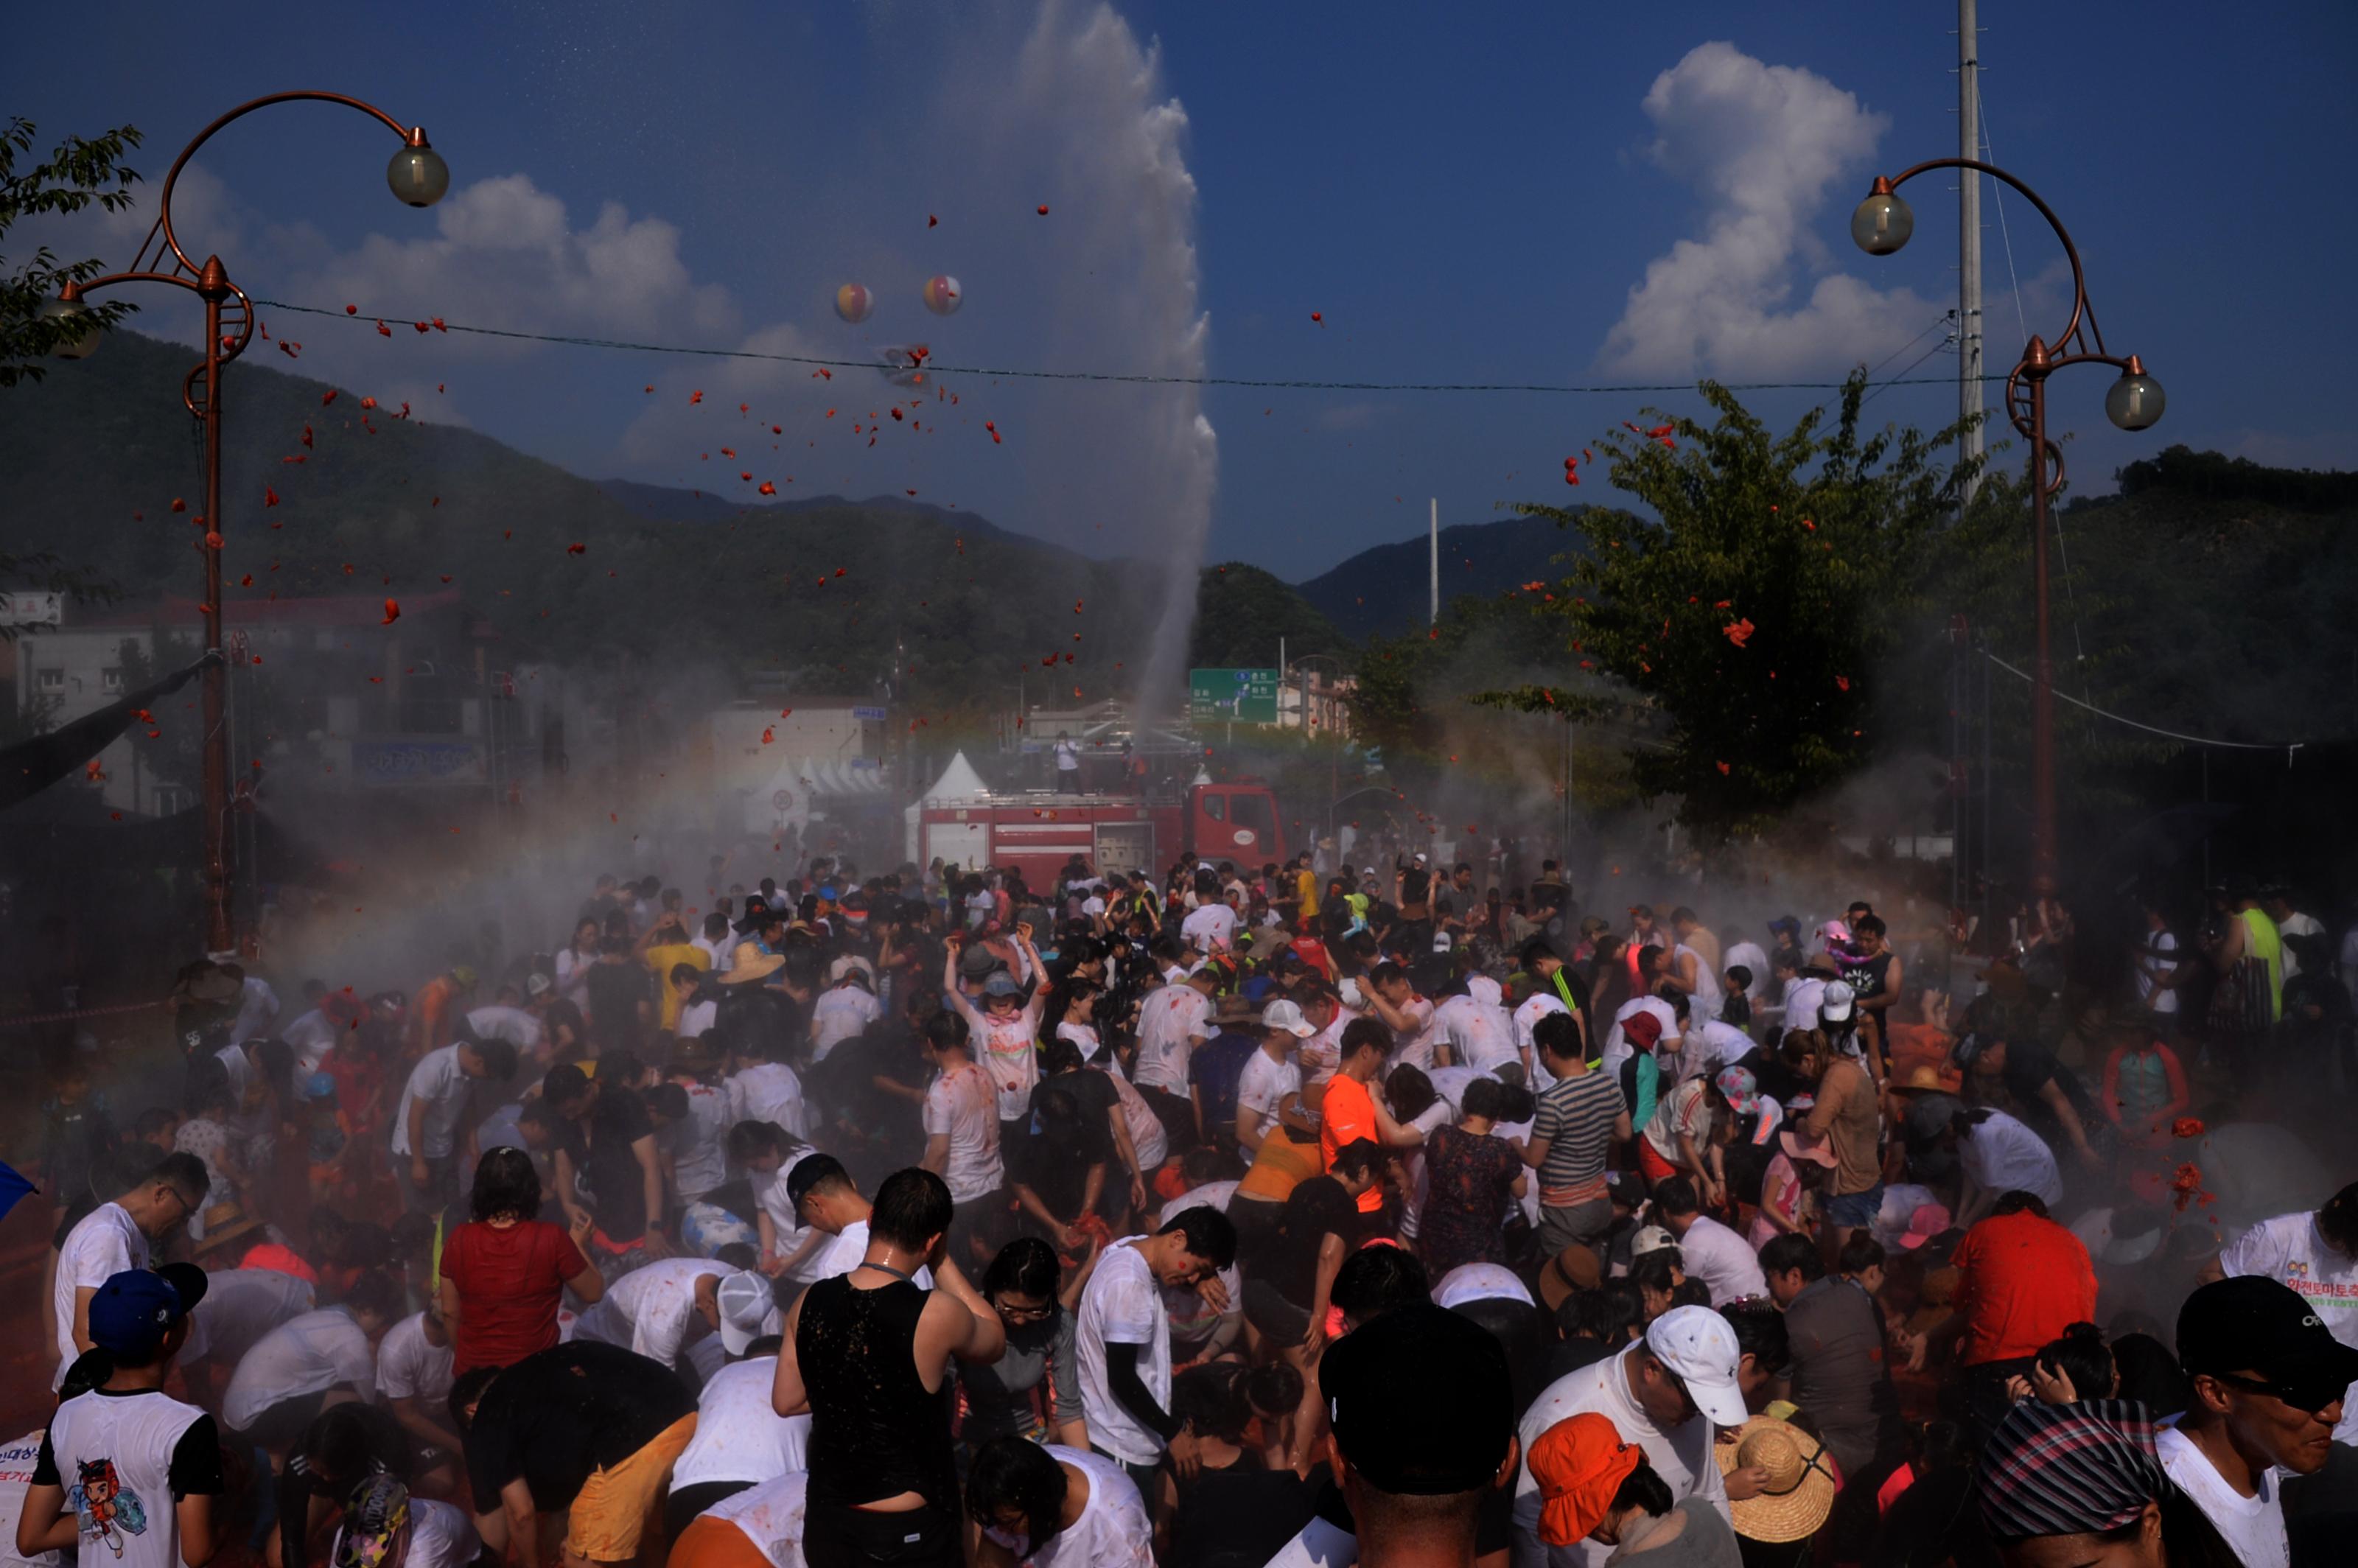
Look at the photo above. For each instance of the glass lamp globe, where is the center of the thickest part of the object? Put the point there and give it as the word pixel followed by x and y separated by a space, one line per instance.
pixel 62 312
pixel 2136 402
pixel 1882 223
pixel 418 176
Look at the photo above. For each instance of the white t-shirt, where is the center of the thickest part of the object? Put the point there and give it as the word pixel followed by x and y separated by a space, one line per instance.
pixel 1414 1045
pixel 1122 1304
pixel 135 1437
pixel 840 1013
pixel 410 1368
pixel 1262 1087
pixel 2296 925
pixel 1210 929
pixel 1168 1022
pixel 696 1019
pixel 771 1515
pixel 17 1462
pixel 2253 1527
pixel 1536 1006
pixel 960 1106
pixel 738 1436
pixel 2157 958
pixel 1803 997
pixel 257 1004
pixel 307 1355
pixel 1723 1261
pixel 722 950
pixel 1321 1055
pixel 1481 1034
pixel 439 1081
pixel 769 1092
pixel 440 1536
pixel 1617 1048
pixel 1750 958
pixel 1704 1001
pixel 105 1244
pixel 845 1252
pixel 1682 1455
pixel 1148 1136
pixel 770 1195
pixel 699 1145
pixel 313 1035
pixel 2290 1249
pixel 513 1025
pixel 241 1305
pixel 1707 1049
pixel 650 1311
pixel 1113 1532
pixel 1479 1282
pixel 2003 1155
pixel 1006 1048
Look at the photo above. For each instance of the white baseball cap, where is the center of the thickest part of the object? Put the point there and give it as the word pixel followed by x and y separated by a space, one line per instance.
pixel 1836 1005
pixel 748 1309
pixel 1697 1343
pixel 1651 1239
pixel 1287 1015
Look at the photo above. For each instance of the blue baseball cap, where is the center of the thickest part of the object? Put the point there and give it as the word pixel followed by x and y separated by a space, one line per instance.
pixel 130 1314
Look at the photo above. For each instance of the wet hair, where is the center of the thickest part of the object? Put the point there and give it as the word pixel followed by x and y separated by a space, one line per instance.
pixel 750 1140
pixel 1653 1271
pixel 2019 1202
pixel 1211 1399
pixel 1210 1234
pixel 1676 1196
pixel 506 1183
pixel 1612 1314
pixel 1410 1091
pixel 669 1101
pixel 1644 1488
pixel 1783 1254
pixel 1363 1034
pixel 1359 1158
pixel 2081 1355
pixel 1760 1334
pixel 1690 1292
pixel 374 1292
pixel 563 1083
pixel 1027 1266
pixel 1860 1253
pixel 1014 1473
pixel 814 1173
pixel 1484 1097
pixel 182 1172
pixel 1374 1280
pixel 156 1119
pixel 1059 1055
pixel 1557 1034
pixel 1274 1388
pixel 912 1209
pixel 947 1032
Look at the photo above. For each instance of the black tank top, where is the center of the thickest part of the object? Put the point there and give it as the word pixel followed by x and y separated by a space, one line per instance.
pixel 876 1431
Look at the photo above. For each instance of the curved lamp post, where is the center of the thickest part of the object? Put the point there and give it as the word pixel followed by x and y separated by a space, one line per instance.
pixel 419 176
pixel 1881 224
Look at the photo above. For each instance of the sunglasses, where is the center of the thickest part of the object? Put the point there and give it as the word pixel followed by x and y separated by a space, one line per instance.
pixel 1025 1314
pixel 2303 1395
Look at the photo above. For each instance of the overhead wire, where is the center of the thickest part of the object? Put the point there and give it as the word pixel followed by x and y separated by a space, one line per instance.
pixel 1014 373
pixel 2287 747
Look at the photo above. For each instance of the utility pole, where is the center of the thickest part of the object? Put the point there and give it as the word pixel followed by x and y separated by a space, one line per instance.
pixel 1969 246
pixel 1433 619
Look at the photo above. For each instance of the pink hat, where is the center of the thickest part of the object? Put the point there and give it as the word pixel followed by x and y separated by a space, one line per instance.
pixel 1800 1146
pixel 1925 1224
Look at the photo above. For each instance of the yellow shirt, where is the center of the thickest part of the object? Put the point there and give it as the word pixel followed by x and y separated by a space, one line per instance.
pixel 660 959
pixel 1306 882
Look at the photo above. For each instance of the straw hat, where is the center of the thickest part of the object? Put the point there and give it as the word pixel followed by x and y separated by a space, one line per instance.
pixel 224 1222
pixel 1799 1492
pixel 1573 1269
pixel 749 964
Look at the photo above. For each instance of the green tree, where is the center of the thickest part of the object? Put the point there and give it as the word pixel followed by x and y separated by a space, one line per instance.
pixel 77 173
pixel 1758 607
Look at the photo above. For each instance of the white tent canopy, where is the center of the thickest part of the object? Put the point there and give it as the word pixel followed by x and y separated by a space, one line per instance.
pixel 958 781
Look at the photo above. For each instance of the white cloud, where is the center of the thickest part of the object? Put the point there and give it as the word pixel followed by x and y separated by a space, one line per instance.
pixel 1761 144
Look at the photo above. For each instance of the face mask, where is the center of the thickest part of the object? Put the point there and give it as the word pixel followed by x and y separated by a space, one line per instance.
pixel 1017 1542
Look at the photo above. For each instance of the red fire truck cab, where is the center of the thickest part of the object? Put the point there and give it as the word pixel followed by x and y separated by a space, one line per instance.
pixel 965 823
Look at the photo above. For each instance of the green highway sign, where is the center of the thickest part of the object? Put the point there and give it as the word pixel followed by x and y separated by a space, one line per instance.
pixel 1238 697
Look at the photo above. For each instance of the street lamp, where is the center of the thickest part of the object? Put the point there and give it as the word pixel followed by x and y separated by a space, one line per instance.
pixel 419 176
pixel 1333 732
pixel 1881 224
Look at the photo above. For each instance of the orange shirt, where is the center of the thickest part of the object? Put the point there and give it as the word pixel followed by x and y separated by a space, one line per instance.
pixel 2021 1281
pixel 1347 1115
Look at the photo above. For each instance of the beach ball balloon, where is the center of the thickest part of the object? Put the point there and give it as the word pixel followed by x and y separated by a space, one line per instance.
pixel 853 302
pixel 943 294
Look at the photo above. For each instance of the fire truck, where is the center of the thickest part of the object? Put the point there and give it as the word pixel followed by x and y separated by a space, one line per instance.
pixel 965 823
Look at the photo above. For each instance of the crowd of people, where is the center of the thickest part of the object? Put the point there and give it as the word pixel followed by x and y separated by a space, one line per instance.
pixel 1286 1216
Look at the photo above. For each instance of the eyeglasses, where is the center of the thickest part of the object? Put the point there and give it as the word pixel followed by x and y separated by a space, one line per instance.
pixel 1024 1313
pixel 2304 1395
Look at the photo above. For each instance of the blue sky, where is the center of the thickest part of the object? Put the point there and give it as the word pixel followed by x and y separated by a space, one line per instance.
pixel 1467 193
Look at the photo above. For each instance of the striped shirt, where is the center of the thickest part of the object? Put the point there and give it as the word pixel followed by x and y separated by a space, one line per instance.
pixel 1576 1117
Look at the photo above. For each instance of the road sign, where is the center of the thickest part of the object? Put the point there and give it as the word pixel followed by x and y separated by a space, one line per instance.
pixel 1240 696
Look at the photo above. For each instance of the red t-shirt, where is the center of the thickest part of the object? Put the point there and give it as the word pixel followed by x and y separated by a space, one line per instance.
pixel 509 1280
pixel 1347 1115
pixel 2021 1281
